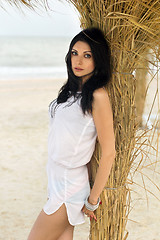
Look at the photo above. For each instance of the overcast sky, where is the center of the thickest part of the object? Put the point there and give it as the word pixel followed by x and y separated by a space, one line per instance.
pixel 63 21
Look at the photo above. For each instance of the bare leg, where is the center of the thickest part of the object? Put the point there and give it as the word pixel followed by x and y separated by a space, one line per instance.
pixel 67 234
pixel 50 227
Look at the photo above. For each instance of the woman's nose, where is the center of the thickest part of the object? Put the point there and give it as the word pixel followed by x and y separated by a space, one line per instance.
pixel 79 60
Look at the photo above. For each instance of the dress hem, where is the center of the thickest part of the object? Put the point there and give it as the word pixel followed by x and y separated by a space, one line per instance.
pixel 51 212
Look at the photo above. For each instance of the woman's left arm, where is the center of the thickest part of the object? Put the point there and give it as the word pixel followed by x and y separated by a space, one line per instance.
pixel 103 119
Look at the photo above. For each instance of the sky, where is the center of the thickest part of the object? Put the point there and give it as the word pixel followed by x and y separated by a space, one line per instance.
pixel 62 21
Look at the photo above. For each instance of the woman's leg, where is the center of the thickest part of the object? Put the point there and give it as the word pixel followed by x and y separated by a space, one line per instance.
pixel 67 234
pixel 50 227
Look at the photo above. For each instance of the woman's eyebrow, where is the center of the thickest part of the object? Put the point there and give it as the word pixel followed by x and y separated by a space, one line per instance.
pixel 84 51
pixel 74 49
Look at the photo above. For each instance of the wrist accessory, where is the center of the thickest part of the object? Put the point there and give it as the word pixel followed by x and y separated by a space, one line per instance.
pixel 90 206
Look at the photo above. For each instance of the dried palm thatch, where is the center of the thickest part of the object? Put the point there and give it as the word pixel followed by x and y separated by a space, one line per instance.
pixel 30 4
pixel 141 77
pixel 131 27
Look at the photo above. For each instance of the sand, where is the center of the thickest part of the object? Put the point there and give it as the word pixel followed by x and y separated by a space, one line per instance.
pixel 23 157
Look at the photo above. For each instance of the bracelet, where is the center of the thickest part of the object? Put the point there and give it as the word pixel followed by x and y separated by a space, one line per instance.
pixel 90 206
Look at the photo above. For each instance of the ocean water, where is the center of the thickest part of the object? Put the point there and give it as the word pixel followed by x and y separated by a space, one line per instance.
pixel 33 57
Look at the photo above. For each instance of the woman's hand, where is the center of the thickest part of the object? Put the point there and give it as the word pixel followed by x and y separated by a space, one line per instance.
pixel 89 213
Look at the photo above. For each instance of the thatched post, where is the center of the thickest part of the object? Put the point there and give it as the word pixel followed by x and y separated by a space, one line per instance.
pixel 113 213
pixel 129 27
pixel 141 78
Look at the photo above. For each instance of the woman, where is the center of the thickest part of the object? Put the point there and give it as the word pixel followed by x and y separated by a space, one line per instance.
pixel 81 113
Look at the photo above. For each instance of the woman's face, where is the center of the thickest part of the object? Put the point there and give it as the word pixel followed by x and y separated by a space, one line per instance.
pixel 82 60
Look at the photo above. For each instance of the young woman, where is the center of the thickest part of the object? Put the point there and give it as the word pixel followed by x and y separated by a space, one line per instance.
pixel 81 113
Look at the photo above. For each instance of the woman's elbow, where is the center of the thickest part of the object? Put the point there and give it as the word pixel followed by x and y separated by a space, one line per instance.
pixel 113 156
pixel 110 155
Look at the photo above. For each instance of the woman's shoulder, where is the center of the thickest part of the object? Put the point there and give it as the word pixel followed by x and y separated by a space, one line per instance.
pixel 101 103
pixel 100 95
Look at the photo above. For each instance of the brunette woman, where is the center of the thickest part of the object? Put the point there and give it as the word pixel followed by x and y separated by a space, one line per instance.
pixel 81 113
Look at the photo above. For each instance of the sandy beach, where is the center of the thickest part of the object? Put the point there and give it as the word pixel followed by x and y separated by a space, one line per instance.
pixel 23 157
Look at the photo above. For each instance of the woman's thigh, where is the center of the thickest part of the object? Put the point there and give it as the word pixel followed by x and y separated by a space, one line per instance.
pixel 67 234
pixel 50 227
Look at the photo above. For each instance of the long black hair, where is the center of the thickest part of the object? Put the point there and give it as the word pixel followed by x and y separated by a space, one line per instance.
pixel 102 73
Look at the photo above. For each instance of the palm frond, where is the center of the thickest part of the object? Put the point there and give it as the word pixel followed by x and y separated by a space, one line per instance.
pixel 30 4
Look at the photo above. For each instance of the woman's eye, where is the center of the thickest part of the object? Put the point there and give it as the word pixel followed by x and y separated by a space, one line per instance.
pixel 87 56
pixel 74 53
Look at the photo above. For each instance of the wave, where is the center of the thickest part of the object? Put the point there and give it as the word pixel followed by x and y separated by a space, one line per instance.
pixel 9 72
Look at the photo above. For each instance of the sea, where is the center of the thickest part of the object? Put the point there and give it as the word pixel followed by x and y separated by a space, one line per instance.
pixel 33 57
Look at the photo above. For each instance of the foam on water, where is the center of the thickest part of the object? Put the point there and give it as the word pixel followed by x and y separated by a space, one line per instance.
pixel 14 73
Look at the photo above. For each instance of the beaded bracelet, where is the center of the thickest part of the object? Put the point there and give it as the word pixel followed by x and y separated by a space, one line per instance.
pixel 90 206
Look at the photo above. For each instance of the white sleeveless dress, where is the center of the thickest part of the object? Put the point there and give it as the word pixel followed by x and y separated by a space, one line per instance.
pixel 71 143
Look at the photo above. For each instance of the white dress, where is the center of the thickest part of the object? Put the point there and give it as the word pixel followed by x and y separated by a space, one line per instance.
pixel 71 143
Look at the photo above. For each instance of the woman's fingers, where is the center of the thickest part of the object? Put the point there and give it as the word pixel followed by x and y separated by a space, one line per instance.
pixel 93 217
pixel 89 213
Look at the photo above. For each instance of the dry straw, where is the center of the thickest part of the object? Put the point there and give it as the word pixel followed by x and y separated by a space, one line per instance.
pixel 133 29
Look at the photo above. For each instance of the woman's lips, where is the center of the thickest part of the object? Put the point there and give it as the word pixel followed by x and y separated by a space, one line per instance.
pixel 78 69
